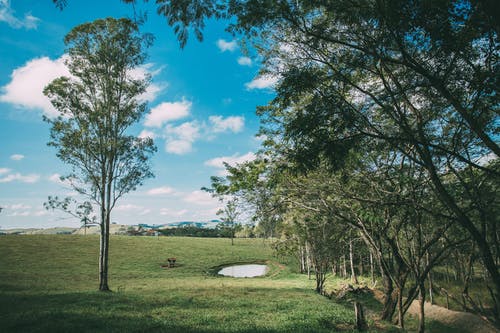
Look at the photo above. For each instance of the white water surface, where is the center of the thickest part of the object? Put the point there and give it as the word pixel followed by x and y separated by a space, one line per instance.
pixel 244 270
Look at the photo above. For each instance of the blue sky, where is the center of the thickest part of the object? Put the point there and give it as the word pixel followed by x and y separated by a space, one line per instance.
pixel 202 111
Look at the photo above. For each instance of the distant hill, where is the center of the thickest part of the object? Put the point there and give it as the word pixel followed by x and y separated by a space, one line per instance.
pixel 115 229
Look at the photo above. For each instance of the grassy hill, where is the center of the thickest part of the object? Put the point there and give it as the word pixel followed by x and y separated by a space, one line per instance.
pixel 48 284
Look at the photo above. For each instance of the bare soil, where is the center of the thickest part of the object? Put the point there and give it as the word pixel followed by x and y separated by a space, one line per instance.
pixel 461 321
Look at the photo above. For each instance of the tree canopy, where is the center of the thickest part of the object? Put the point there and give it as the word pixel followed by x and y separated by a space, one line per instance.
pixel 97 105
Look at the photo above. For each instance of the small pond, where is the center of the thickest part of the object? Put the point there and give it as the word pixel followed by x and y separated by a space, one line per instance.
pixel 247 271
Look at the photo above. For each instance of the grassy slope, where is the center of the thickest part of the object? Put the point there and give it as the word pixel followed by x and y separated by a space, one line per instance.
pixel 48 283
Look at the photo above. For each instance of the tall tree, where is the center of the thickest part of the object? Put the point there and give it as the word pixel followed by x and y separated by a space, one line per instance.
pixel 97 105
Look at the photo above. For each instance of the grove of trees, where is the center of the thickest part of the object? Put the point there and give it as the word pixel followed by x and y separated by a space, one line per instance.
pixel 381 138
pixel 384 123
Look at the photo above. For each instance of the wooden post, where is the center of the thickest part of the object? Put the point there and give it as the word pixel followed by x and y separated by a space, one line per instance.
pixel 360 317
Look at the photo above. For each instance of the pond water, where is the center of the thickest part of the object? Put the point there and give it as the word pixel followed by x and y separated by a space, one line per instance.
pixel 244 270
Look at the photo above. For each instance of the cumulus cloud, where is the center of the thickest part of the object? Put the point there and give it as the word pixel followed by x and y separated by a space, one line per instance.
pixel 160 190
pixel 56 178
pixel 245 61
pixel 16 157
pixel 200 198
pixel 180 138
pixel 154 88
pixel 25 88
pixel 31 178
pixel 165 112
pixel 4 170
pixel 262 82
pixel 224 45
pixel 7 15
pixel 147 134
pixel 233 124
pixel 233 160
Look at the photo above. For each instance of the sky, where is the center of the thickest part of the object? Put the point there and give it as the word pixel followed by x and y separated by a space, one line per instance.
pixel 202 103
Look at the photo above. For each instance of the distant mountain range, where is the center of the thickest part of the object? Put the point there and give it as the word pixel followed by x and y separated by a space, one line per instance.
pixel 207 224
pixel 114 228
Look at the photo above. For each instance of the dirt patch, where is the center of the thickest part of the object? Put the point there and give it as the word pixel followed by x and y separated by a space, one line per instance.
pixel 461 321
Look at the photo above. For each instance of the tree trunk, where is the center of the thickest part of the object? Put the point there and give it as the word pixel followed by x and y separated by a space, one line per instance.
pixel 389 299
pixel 361 266
pixel 421 313
pixel 232 234
pixel 372 270
pixel 431 284
pixel 344 267
pixel 360 317
pixel 354 278
pixel 401 322
pixel 103 252
pixel 302 260
pixel 308 262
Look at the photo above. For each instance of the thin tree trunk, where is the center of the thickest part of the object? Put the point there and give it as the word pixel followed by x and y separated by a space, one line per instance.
pixel 401 322
pixel 421 303
pixel 354 278
pixel 372 270
pixel 361 266
pixel 302 260
pixel 344 267
pixel 103 252
pixel 431 284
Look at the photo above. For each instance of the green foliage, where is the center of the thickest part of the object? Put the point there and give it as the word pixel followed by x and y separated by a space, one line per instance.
pixel 97 105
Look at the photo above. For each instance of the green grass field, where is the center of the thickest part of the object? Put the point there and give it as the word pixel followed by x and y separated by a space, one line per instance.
pixel 48 283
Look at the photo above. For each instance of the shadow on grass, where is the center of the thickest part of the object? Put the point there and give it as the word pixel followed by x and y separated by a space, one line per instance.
pixel 121 312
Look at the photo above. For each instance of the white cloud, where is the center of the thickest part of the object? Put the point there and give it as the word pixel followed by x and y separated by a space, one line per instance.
pixel 27 213
pixel 153 89
pixel 227 46
pixel 31 178
pixel 25 88
pixel 147 134
pixel 233 124
pixel 178 147
pixel 166 112
pixel 19 207
pixel 41 213
pixel 160 190
pixel 4 170
pixel 16 157
pixel 56 178
pixel 199 197
pixel 7 15
pixel 262 82
pixel 180 138
pixel 27 83
pixel 173 212
pixel 234 160
pixel 245 61
pixel 128 208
